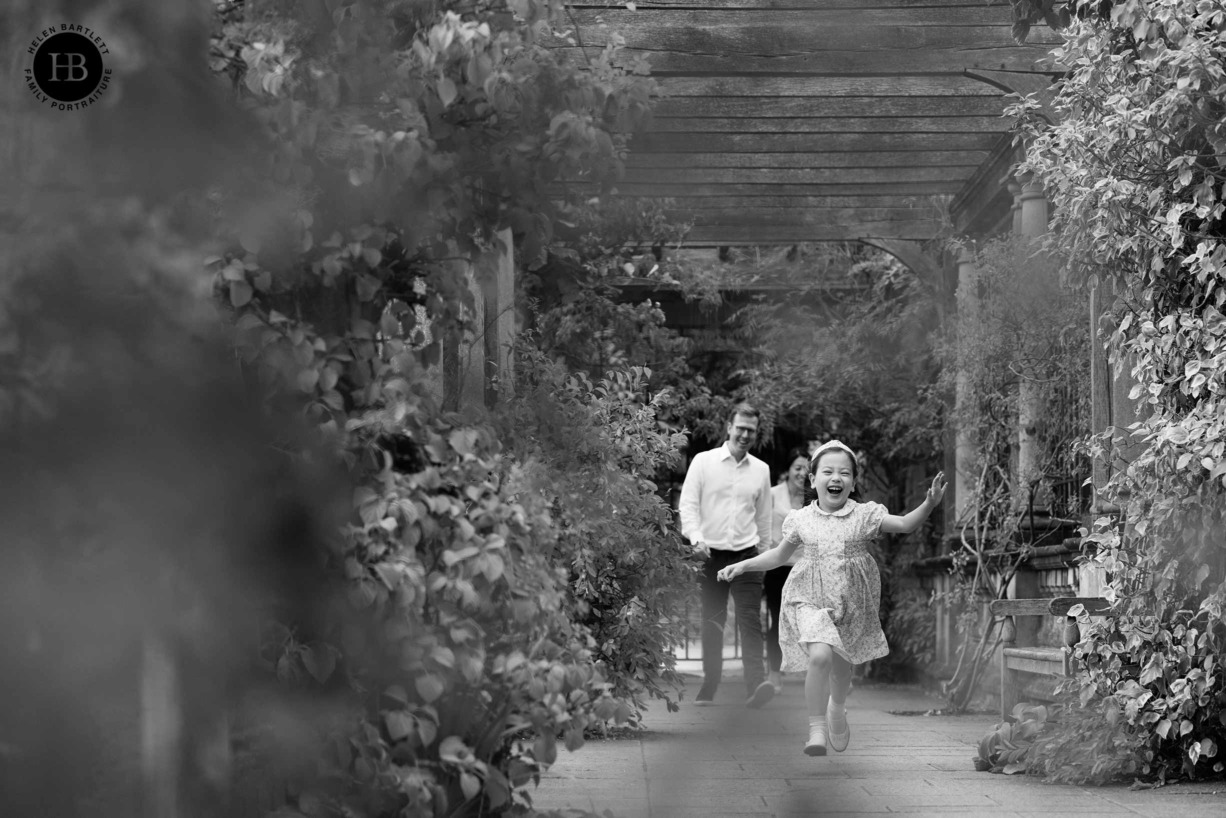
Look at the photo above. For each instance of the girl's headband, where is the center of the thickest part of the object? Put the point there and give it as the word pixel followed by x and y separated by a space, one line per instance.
pixel 831 444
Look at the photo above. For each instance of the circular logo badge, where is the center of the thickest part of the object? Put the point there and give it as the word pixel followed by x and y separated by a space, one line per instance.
pixel 67 71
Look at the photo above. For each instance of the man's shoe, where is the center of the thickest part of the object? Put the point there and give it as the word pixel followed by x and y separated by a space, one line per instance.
pixel 840 731
pixel 762 694
pixel 706 696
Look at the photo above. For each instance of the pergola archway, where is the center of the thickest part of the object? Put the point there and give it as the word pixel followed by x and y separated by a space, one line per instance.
pixel 788 121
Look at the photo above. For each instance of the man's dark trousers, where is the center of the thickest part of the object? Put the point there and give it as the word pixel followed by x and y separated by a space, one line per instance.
pixel 747 599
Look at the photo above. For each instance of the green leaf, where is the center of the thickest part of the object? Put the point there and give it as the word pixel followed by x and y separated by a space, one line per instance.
pixel 470 785
pixel 307 379
pixel 399 724
pixel 545 749
pixel 429 687
pixel 497 788
pixel 240 293
pixel 446 90
pixel 320 662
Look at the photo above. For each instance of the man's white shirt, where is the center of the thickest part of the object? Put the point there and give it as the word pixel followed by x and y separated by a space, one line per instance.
pixel 726 504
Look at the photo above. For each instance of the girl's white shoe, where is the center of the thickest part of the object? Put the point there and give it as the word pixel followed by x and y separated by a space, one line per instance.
pixel 817 739
pixel 840 730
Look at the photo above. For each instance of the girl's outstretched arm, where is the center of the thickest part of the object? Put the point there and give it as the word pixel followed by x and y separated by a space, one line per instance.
pixel 763 562
pixel 893 524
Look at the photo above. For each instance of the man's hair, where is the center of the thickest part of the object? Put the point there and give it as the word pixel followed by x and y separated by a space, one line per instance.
pixel 745 409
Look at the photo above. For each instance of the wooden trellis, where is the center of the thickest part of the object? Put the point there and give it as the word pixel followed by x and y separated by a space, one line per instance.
pixel 789 121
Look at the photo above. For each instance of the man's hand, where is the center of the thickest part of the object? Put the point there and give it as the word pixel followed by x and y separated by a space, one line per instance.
pixel 701 549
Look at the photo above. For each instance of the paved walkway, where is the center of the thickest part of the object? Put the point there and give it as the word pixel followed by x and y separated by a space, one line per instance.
pixel 726 760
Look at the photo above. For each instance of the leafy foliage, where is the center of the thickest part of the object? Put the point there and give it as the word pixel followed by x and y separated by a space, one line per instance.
pixel 910 629
pixel 1006 746
pixel 855 357
pixel 1132 171
pixel 594 448
pixel 1024 325
pixel 1020 329
pixel 401 140
pixel 1093 745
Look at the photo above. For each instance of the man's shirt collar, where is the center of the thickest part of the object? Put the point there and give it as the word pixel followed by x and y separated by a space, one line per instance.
pixel 726 454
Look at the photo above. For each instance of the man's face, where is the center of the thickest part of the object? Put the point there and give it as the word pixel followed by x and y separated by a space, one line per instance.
pixel 742 432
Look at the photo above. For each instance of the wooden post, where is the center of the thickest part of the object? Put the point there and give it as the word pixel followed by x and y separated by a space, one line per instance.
pixel 1072 635
pixel 1008 636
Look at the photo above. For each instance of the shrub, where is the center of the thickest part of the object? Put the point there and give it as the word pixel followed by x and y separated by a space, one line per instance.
pixel 1005 747
pixel 456 636
pixel 1093 745
pixel 1137 211
pixel 594 449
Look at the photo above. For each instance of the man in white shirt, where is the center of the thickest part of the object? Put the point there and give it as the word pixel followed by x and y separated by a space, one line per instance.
pixel 726 515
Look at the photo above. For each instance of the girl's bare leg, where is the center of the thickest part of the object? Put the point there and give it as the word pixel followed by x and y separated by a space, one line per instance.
pixel 840 678
pixel 817 694
pixel 839 733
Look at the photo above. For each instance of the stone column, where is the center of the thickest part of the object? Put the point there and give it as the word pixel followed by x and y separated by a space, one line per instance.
pixel 1100 393
pixel 464 351
pixel 1033 209
pixel 1032 216
pixel 966 453
pixel 498 289
pixel 1015 190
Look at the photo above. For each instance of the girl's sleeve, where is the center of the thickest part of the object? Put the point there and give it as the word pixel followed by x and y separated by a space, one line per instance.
pixel 872 524
pixel 791 527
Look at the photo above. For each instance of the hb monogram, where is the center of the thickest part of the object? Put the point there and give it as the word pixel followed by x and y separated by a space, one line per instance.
pixel 72 62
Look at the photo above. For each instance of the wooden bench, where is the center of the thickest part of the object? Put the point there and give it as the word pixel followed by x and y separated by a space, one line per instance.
pixel 1051 662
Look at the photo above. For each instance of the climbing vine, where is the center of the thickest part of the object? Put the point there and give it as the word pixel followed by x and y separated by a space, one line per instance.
pixel 1132 167
pixel 401 138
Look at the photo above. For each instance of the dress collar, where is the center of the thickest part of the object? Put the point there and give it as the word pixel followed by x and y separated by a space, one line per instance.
pixel 842 512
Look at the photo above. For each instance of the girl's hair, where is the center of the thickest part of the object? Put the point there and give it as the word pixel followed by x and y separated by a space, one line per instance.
pixel 835 446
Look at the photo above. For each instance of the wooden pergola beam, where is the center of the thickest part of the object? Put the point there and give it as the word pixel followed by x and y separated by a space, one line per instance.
pixel 786 121
pixel 718 235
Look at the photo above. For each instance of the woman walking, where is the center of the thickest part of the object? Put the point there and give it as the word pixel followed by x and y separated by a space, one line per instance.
pixel 787 496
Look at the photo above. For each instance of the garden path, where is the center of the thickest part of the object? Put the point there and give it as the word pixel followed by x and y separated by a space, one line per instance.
pixel 725 760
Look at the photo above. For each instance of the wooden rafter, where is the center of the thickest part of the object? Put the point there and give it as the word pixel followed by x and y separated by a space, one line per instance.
pixel 786 121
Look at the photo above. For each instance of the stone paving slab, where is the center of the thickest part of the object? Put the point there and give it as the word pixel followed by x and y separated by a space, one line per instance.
pixel 727 761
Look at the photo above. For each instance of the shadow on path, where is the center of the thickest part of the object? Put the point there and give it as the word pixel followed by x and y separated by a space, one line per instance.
pixel 725 760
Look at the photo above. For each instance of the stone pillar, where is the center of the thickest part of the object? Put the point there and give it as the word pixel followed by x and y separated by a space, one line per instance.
pixel 1015 190
pixel 966 453
pixel 1100 393
pixel 1033 209
pixel 498 290
pixel 464 351
pixel 1033 222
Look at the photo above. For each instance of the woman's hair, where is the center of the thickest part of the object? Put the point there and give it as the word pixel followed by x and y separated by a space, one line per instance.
pixel 793 453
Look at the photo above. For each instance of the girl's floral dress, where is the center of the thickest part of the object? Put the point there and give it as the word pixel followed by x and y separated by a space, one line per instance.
pixel 833 594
